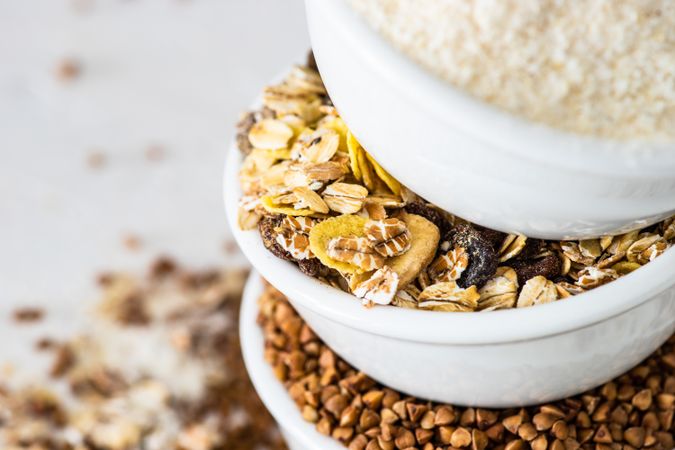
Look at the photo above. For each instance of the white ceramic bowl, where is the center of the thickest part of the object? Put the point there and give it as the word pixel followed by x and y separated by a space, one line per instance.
pixel 299 435
pixel 493 359
pixel 475 160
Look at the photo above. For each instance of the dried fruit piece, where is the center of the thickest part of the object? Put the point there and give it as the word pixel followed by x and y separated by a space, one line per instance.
pixel 431 213
pixel 496 238
pixel 357 251
pixel 500 292
pixel 390 181
pixel 380 288
pixel 270 134
pixel 268 232
pixel 448 296
pixel 591 277
pixel 345 198
pixel 449 267
pixel 549 266
pixel 512 246
pixel 424 238
pixel 390 237
pixel 313 267
pixel 482 256
pixel 323 232
pixel 537 291
pixel 353 148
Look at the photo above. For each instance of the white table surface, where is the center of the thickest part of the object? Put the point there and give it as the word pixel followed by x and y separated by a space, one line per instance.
pixel 171 73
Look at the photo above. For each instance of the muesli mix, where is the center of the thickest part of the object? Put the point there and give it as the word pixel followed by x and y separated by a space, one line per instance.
pixel 633 411
pixel 320 200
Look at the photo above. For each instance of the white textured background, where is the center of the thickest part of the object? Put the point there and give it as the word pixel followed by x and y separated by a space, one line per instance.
pixel 171 73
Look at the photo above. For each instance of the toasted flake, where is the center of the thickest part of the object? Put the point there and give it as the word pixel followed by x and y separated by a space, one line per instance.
pixel 511 247
pixel 621 243
pixel 449 267
pixel 406 298
pixel 449 295
pixel 566 289
pixel 380 288
pixel 307 198
pixel 591 277
pixel 247 220
pixel 270 134
pixel 590 248
pixel 625 267
pixel 605 242
pixel 574 252
pixel 646 249
pixel 327 171
pixel 322 147
pixel 323 232
pixel 357 251
pixel 345 198
pixel 425 237
pixel 375 211
pixel 286 99
pixel 537 291
pixel 306 79
pixel 386 201
pixel 669 229
pixel 390 237
pixel 501 291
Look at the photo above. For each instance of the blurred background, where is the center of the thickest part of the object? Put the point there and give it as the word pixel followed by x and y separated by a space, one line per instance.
pixel 115 118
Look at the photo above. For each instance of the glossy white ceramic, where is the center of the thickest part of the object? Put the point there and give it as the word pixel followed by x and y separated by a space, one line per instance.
pixel 493 359
pixel 479 162
pixel 299 435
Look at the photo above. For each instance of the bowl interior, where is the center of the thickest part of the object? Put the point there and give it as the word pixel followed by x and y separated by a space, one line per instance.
pixel 502 130
pixel 429 326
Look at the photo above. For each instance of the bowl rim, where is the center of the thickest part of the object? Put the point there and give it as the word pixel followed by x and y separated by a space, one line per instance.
pixel 271 391
pixel 461 110
pixel 494 327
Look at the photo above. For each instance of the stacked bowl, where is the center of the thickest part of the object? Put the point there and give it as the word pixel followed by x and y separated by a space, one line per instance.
pixel 499 171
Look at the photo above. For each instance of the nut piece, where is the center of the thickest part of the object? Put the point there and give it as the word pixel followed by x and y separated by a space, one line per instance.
pixel 294 236
pixel 390 237
pixel 448 296
pixel 380 288
pixel 449 267
pixel 345 198
pixel 356 251
pixel 423 244
pixel 537 291
pixel 270 134
pixel 500 292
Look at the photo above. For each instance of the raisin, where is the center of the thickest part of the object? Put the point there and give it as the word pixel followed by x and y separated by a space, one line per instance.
pixel 549 267
pixel 431 214
pixel 268 233
pixel 482 256
pixel 532 248
pixel 494 237
pixel 313 267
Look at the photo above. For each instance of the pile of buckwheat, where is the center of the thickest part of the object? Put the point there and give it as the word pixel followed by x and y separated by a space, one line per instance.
pixel 633 411
pixel 161 369
pixel 320 200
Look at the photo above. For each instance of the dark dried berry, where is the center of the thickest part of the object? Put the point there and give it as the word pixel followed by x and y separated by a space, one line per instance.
pixel 244 126
pixel 548 267
pixel 532 248
pixel 482 256
pixel 494 237
pixel 431 214
pixel 268 233
pixel 313 267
